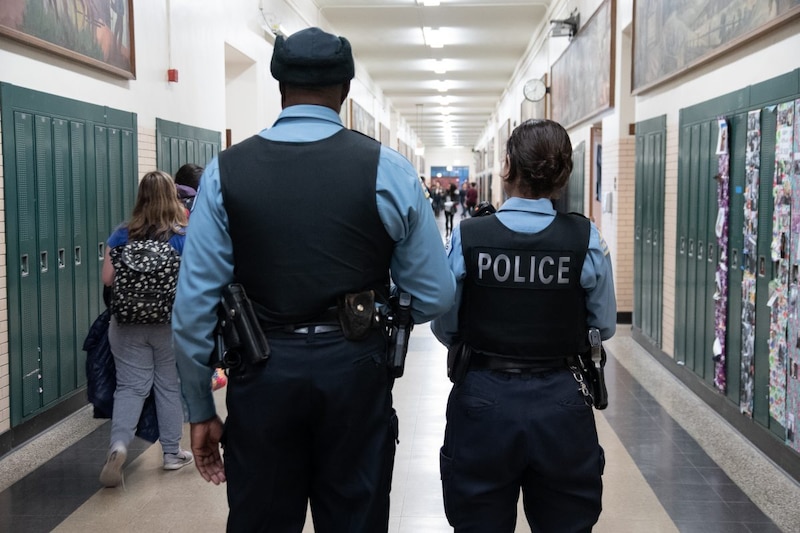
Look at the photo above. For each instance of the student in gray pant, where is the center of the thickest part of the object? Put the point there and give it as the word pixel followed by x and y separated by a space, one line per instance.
pixel 143 353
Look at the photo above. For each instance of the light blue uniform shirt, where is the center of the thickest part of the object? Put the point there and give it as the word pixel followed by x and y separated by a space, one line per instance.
pixel 418 264
pixel 532 216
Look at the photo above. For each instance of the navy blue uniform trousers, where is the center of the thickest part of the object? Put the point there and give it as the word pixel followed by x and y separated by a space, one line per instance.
pixel 530 431
pixel 315 424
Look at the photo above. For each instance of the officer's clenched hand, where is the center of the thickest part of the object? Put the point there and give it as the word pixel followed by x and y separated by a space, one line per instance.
pixel 205 447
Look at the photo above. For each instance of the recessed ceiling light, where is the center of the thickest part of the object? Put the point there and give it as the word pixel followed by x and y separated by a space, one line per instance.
pixel 428 3
pixel 432 37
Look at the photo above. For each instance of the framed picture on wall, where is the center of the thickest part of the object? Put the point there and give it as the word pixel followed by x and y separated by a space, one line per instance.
pixel 360 120
pixel 98 33
pixel 386 138
pixel 582 79
pixel 672 37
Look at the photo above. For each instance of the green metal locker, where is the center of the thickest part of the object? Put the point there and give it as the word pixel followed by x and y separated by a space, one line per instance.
pixel 765 210
pixel 683 254
pixel 737 131
pixel 649 226
pixel 697 157
pixel 178 144
pixel 54 149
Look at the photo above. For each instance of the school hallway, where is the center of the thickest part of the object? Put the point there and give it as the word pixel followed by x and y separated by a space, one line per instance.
pixel 672 464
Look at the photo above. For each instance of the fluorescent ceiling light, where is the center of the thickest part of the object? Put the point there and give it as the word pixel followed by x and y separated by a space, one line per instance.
pixel 428 3
pixel 442 86
pixel 433 37
pixel 439 67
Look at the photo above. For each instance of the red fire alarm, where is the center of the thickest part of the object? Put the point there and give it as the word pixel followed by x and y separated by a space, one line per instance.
pixel 172 75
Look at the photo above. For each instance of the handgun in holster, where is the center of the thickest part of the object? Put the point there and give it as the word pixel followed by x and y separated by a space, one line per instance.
pixel 399 325
pixel 595 370
pixel 239 340
pixel 458 356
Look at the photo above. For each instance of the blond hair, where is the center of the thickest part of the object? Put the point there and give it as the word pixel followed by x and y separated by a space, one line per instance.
pixel 158 213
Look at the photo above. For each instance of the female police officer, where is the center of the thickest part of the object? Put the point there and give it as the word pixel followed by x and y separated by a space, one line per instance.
pixel 530 283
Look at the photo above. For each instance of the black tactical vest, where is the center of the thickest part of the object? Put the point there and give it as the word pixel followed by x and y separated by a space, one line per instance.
pixel 304 222
pixel 522 296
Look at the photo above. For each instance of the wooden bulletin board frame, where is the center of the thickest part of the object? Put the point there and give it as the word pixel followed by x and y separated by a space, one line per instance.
pixel 360 120
pixel 98 33
pixel 582 79
pixel 671 38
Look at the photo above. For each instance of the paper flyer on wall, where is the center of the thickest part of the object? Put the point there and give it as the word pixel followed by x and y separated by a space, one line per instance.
pixel 782 234
pixel 750 261
pixel 719 352
pixel 793 363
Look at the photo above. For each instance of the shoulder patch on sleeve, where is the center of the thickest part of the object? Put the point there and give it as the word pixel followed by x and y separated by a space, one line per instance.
pixel 603 245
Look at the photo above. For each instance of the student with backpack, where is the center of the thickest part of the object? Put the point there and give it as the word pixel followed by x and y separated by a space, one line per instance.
pixel 187 181
pixel 141 264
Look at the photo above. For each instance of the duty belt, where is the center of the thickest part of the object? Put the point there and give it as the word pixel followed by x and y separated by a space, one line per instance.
pixel 482 361
pixel 327 322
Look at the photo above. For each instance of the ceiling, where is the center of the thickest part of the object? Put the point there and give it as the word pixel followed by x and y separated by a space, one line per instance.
pixel 484 41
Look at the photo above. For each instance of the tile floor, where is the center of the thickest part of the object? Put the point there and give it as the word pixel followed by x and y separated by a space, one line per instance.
pixel 672 465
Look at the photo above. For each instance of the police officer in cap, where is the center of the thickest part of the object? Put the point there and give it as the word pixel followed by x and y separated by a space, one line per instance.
pixel 530 281
pixel 301 215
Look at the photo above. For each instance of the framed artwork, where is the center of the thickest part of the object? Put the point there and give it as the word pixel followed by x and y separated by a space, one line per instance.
pixel 582 79
pixel 671 37
pixel 503 133
pixel 360 120
pixel 98 33
pixel 529 110
pixel 386 138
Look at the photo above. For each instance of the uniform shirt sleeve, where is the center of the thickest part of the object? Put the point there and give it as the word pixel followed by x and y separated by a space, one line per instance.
pixel 206 267
pixel 445 328
pixel 419 264
pixel 598 280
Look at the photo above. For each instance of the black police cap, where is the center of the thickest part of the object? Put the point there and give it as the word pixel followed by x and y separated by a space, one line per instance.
pixel 312 57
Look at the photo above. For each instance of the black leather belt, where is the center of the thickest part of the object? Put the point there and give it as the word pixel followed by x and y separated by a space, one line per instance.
pixel 481 361
pixel 327 322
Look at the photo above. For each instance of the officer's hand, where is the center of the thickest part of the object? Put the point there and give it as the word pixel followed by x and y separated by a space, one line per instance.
pixel 205 447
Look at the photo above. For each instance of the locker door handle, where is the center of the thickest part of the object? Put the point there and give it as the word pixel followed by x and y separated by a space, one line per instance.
pixel 691 247
pixel 24 267
pixel 77 255
pixel 699 250
pixel 734 258
pixel 100 250
pixel 762 266
pixel 710 252
pixel 43 261
pixel 655 237
pixel 62 258
pixel 683 245
pixel 637 233
pixel 647 236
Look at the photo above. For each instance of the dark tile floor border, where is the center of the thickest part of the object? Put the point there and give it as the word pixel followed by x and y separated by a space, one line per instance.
pixel 768 443
pixel 692 488
pixel 48 495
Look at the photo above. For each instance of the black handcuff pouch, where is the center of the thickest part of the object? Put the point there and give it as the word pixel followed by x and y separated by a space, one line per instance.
pixel 357 314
